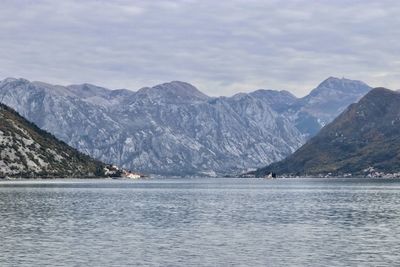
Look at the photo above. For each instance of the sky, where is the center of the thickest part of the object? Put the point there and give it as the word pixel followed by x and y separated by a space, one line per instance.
pixel 221 47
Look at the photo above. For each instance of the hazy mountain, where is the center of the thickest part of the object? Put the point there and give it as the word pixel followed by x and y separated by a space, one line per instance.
pixel 172 93
pixel 324 103
pixel 185 131
pixel 99 95
pixel 27 151
pixel 173 128
pixel 279 101
pixel 363 138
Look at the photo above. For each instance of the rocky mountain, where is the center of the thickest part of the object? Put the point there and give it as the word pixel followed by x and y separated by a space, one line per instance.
pixel 27 151
pixel 173 128
pixel 221 134
pixel 363 139
pixel 324 103
pixel 280 101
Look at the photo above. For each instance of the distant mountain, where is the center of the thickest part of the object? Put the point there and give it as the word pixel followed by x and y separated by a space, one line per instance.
pixel 170 129
pixel 279 101
pixel 173 128
pixel 27 151
pixel 220 135
pixel 324 103
pixel 364 138
pixel 174 93
pixel 98 95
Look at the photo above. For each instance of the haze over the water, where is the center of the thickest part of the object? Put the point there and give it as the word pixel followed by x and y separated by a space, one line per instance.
pixel 220 47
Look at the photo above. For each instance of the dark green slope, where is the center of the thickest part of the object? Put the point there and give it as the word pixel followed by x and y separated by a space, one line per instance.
pixel 366 134
pixel 27 151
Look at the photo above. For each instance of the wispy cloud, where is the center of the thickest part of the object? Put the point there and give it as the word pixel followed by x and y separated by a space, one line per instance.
pixel 221 47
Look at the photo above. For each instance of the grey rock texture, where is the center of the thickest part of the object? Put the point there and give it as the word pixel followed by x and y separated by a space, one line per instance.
pixel 29 152
pixel 174 129
pixel 324 103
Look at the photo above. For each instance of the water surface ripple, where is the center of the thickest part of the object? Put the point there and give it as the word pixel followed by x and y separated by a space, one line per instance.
pixel 200 222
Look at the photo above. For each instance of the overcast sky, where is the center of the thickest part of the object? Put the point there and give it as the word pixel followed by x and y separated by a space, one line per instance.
pixel 221 47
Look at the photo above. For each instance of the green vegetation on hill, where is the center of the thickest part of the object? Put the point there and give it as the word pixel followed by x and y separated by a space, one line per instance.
pixel 27 151
pixel 364 137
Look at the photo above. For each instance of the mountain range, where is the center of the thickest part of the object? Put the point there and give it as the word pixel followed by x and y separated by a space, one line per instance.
pixel 174 129
pixel 363 141
pixel 27 151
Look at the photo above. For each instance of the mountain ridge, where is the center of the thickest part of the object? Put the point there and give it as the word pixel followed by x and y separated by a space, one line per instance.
pixel 30 152
pixel 364 138
pixel 325 102
pixel 168 129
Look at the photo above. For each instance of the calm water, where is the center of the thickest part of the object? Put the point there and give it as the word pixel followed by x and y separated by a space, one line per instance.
pixel 200 222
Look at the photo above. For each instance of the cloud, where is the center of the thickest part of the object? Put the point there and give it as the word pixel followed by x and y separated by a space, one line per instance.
pixel 221 47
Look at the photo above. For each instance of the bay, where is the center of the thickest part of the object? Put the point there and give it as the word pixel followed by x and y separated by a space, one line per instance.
pixel 200 222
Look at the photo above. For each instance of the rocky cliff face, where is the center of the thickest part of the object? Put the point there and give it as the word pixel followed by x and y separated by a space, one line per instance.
pixel 173 128
pixel 222 135
pixel 27 151
pixel 364 138
pixel 324 103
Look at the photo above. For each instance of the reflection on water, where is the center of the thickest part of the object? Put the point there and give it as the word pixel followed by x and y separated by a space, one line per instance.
pixel 200 222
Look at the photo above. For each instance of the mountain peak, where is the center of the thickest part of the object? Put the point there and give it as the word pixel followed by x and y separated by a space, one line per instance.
pixel 365 135
pixel 342 84
pixel 380 91
pixel 270 92
pixel 278 100
pixel 9 79
pixel 332 79
pixel 86 90
pixel 325 102
pixel 379 98
pixel 12 79
pixel 176 91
